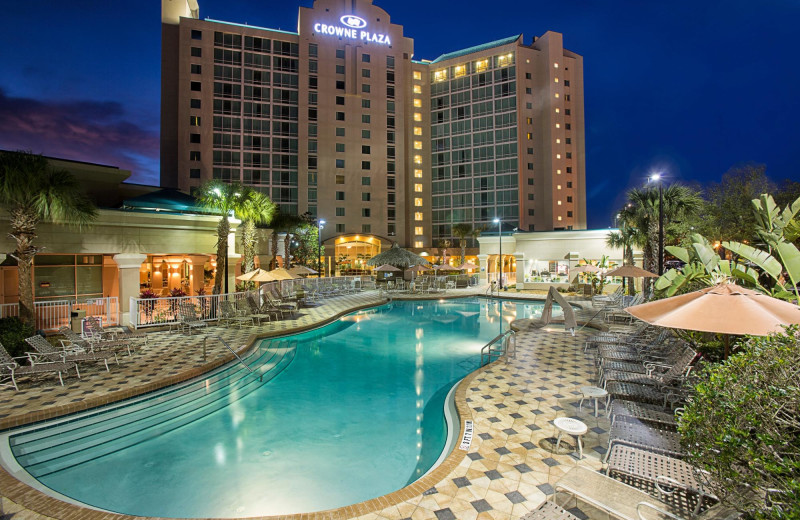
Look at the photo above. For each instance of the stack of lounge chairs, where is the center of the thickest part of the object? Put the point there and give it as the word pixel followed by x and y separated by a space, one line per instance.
pixel 45 352
pixel 10 369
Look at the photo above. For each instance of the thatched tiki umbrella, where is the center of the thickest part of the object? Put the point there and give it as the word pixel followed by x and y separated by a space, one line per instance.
pixel 398 257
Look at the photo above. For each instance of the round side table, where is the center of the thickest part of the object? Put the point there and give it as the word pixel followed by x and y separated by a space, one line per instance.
pixel 595 393
pixel 572 427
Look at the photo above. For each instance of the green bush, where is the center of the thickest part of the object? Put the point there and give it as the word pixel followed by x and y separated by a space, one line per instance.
pixel 12 335
pixel 743 427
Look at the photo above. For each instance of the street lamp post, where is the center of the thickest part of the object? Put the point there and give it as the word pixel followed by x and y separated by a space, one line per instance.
pixel 320 226
pixel 657 177
pixel 500 249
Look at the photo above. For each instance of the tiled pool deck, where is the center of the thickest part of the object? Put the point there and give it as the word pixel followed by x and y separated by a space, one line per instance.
pixel 508 470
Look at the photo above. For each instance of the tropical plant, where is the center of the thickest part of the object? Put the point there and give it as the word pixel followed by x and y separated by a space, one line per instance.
pixel 256 209
pixel 625 238
pixel 33 192
pixel 307 250
pixel 462 232
pixel 743 427
pixel 223 199
pixel 13 332
pixel 283 223
pixel 443 245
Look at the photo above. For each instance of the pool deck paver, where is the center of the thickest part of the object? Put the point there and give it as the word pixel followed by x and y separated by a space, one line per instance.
pixel 508 470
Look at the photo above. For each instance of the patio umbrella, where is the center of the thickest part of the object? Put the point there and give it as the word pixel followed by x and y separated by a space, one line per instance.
pixel 418 269
pixel 386 268
pixel 468 266
pixel 301 270
pixel 631 271
pixel 250 277
pixel 398 257
pixel 275 275
pixel 724 309
pixel 445 267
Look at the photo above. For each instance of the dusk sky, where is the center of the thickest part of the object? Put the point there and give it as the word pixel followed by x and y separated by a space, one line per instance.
pixel 690 88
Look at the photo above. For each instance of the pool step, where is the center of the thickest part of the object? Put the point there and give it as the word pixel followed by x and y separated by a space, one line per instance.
pixel 67 444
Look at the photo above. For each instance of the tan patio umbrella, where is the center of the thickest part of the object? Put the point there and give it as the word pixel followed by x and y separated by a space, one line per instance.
pixel 631 271
pixel 250 277
pixel 275 275
pixel 468 266
pixel 301 270
pixel 445 267
pixel 725 309
pixel 418 269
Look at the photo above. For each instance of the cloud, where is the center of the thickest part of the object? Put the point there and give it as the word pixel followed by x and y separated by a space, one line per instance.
pixel 81 130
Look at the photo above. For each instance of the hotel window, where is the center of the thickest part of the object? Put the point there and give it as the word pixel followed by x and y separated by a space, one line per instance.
pixel 530 165
pixel 365 58
pixel 340 228
pixel 339 195
pixel 390 76
pixel 365 134
pixel 340 85
pixel 558 110
pixel 559 202
pixel 313 66
pixel 312 98
pixel 390 61
pixel 340 163
pixel 389 122
pixel 194 103
pixel 197 35
pixel 390 92
pixel 365 212
pixel 529 105
pixel 558 125
pixel 417 130
pixel 365 103
pixel 417 116
pixel 365 196
pixel 555 65
pixel 558 141
pixel 559 218
pixel 418 188
pixel 365 165
pixel 195 86
pixel 481 65
pixel 530 212
pixel 567 126
pixel 440 75
pixel 194 120
pixel 339 131
pixel 194 156
pixel 530 151
pixel 530 196
pixel 391 213
pixel 530 182
pixel 555 80
pixel 459 71
pixel 340 179
pixel 569 169
pixel 569 184
pixel 196 69
pixel 418 202
pixel 390 137
pixel 339 212
pixel 197 52
pixel 558 187
pixel 417 89
pixel 417 145
pixel 340 53
pixel 340 147
pixel 340 100
pixel 569 214
pixel 566 82
pixel 312 82
pixel 390 107
pixel 558 156
pixel 558 172
pixel 418 174
pixel 365 148
pixel 569 198
pixel 417 75
pixel 504 60
pixel 340 116
pixel 365 118
pixel 569 155
pixel 390 198
pixel 365 88
pixel 365 181
pixel 418 216
pixel 194 173
pixel 417 159
pixel 418 243
pixel 391 230
pixel 568 140
pixel 529 136
pixel 528 90
pixel 366 228
pixel 418 230
pixel 567 111
pixel 418 103
pixel 529 120
pixel 194 138
pixel 313 50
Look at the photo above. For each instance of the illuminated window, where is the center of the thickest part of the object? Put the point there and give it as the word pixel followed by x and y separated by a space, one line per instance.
pixel 418 216
pixel 559 202
pixel 504 60
pixel 417 89
pixel 417 75
pixel 460 70
pixel 440 75
pixel 559 218
pixel 417 116
pixel 555 65
pixel 418 188
pixel 558 110
pixel 417 145
pixel 558 156
pixel 418 243
pixel 340 179
pixel 418 159
pixel 529 120
pixel 558 125
pixel 481 65
pixel 418 230
pixel 418 103
pixel 558 172
pixel 557 94
pixel 417 130
pixel 418 174
pixel 530 136
pixel 558 141
pixel 558 187
pixel 418 202
pixel 556 80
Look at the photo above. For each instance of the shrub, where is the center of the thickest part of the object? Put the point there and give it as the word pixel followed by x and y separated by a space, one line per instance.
pixel 743 427
pixel 12 335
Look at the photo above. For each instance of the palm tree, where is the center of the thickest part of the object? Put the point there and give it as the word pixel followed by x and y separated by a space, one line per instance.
pixel 443 245
pixel 33 192
pixel 256 209
pixel 462 231
pixel 627 237
pixel 680 202
pixel 283 222
pixel 226 200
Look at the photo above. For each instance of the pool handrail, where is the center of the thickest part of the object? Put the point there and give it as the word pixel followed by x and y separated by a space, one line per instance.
pixel 505 341
pixel 260 376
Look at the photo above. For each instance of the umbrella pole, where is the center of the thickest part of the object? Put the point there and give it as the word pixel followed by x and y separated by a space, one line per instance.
pixel 727 341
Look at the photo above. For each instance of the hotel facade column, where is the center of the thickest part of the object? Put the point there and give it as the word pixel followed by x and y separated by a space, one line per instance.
pixel 128 281
pixel 197 272
pixel 483 262
pixel 519 258
pixel 233 259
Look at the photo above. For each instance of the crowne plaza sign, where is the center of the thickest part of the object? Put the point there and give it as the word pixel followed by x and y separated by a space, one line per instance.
pixel 352 27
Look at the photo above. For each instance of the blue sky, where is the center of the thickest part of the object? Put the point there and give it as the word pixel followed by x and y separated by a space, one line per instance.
pixel 688 88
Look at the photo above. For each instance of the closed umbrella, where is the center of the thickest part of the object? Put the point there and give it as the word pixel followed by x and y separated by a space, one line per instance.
pixel 725 309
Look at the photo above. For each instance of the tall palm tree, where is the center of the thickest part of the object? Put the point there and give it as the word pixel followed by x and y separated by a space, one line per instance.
pixel 226 200
pixel 33 192
pixel 626 238
pixel 462 232
pixel 286 223
pixel 256 209
pixel 680 202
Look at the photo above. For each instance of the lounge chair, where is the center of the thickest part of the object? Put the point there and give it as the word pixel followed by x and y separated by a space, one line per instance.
pixel 607 300
pixel 94 331
pixel 673 375
pixel 229 316
pixel 76 342
pixel 189 320
pixel 283 307
pixel 245 309
pixel 647 437
pixel 624 410
pixel 11 369
pixel 45 352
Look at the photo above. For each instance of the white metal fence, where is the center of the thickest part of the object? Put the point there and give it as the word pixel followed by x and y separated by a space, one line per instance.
pixel 54 314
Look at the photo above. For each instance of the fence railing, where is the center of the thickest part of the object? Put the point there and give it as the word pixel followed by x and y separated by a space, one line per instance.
pixel 54 314
pixel 159 312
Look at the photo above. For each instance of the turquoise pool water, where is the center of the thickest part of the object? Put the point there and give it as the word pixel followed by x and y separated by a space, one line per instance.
pixel 345 413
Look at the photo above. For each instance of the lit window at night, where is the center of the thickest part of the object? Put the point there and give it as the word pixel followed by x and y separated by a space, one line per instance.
pixel 418 243
pixel 558 110
pixel 418 159
pixel 559 218
pixel 418 103
pixel 418 202
pixel 417 75
pixel 417 130
pixel 558 125
pixel 557 94
pixel 558 141
pixel 418 174
pixel 505 60
pixel 417 116
pixel 417 145
pixel 558 156
pixel 418 216
pixel 556 80
pixel 460 70
pixel 417 89
pixel 529 136
pixel 559 202
pixel 558 172
pixel 440 75
pixel 558 188
pixel 555 65
pixel 481 65
pixel 418 188
pixel 418 230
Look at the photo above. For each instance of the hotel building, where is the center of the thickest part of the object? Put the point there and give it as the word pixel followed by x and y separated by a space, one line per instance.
pixel 341 120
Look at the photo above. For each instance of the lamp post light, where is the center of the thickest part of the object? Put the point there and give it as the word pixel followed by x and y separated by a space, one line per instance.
pixel 500 249
pixel 320 226
pixel 657 178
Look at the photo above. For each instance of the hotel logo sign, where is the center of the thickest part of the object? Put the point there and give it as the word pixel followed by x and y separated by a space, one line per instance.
pixel 353 29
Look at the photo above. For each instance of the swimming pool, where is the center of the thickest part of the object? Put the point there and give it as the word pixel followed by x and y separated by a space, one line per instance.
pixel 345 413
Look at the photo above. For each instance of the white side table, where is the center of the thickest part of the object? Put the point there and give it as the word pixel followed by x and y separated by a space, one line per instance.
pixel 572 427
pixel 595 393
